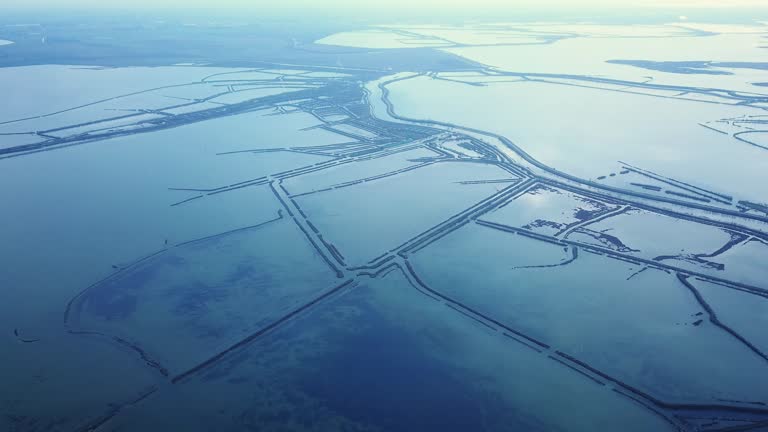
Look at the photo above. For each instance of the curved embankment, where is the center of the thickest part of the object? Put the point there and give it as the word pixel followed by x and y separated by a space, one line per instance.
pixel 553 171
pixel 574 184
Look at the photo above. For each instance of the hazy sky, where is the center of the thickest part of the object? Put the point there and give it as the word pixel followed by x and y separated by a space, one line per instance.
pixel 362 4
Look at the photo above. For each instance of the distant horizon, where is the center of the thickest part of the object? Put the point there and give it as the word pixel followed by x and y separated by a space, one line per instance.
pixel 393 11
pixel 384 4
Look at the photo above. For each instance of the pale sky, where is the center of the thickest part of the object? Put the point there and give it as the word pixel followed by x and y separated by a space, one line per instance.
pixel 401 4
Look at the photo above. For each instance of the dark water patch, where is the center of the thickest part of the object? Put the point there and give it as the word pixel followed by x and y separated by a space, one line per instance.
pixel 349 365
pixel 116 299
pixel 582 214
pixel 541 223
pixel 112 305
pixel 238 380
pixel 174 260
pixel 382 375
pixel 251 274
pixel 194 297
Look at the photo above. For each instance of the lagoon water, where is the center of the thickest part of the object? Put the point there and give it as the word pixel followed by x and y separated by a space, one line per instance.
pixel 498 226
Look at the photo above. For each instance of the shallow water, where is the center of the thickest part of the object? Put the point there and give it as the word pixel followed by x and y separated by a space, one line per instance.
pixel 381 348
pixel 272 248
